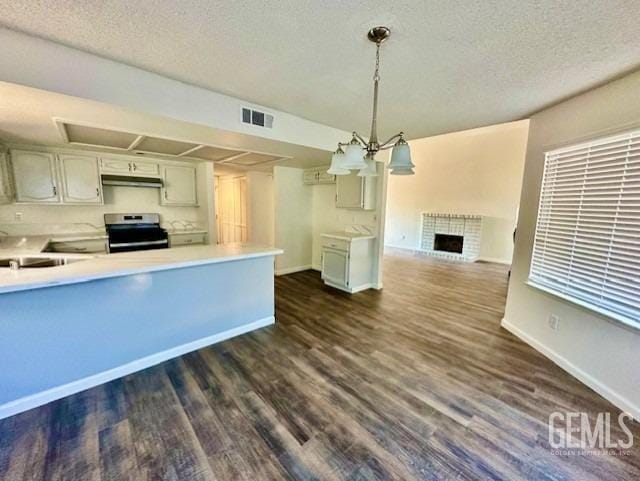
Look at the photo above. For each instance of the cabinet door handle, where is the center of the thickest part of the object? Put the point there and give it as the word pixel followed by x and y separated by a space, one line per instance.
pixel 165 195
pixel 135 167
pixel 55 190
pixel 97 191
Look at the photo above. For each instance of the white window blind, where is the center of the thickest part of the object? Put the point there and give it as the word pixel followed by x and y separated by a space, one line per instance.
pixel 587 239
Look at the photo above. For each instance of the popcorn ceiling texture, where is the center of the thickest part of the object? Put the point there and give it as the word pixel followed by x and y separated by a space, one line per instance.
pixel 448 66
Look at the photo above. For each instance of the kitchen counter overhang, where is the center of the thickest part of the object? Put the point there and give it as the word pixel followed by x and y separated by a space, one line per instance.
pixel 87 323
pixel 102 266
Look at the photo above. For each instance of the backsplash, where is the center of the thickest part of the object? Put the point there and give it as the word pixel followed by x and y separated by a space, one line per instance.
pixel 35 219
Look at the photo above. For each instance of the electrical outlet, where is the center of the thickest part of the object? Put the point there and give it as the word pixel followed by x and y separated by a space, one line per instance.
pixel 554 322
pixel 18 216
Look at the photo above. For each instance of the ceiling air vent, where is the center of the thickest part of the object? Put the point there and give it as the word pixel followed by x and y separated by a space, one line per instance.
pixel 255 117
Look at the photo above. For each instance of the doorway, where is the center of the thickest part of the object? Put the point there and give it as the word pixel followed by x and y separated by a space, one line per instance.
pixel 231 208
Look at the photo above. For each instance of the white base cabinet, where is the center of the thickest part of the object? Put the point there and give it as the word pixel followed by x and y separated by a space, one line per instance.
pixel 347 262
pixel 178 239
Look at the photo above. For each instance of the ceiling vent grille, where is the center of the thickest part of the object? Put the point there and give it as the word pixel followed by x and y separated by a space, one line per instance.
pixel 255 117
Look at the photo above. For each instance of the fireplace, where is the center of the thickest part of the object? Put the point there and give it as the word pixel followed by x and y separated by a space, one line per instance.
pixel 448 243
pixel 451 236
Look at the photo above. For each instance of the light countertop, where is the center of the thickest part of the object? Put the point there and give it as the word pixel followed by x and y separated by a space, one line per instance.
pixel 348 236
pixel 122 264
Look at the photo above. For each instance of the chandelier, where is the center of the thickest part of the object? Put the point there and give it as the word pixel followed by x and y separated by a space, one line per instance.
pixel 359 154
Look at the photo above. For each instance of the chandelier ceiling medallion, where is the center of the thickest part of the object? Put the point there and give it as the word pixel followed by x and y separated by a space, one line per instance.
pixel 360 154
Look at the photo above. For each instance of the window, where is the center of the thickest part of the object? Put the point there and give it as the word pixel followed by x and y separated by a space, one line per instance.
pixel 587 238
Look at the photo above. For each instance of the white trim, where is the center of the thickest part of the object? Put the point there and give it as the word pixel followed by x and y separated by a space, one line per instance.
pixel 34 400
pixel 291 270
pixel 350 290
pixel 618 400
pixel 495 260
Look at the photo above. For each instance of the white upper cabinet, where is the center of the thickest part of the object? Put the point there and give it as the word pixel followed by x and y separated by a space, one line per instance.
pixel 34 176
pixel 179 185
pixel 353 192
pixel 116 166
pixel 145 168
pixel 6 192
pixel 80 178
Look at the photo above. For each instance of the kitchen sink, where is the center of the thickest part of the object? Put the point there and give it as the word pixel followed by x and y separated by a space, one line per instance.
pixel 37 262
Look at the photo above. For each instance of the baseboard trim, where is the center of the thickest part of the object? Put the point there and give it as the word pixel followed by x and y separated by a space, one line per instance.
pixel 58 392
pixel 620 401
pixel 291 270
pixel 495 260
pixel 350 290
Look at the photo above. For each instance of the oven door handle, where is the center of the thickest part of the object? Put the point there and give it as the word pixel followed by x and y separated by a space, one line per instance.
pixel 136 244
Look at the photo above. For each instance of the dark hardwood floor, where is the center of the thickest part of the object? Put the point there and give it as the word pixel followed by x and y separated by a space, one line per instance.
pixel 417 381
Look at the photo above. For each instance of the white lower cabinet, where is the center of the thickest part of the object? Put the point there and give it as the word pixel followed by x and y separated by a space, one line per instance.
pixel 87 246
pixel 179 239
pixel 347 263
pixel 80 179
pixel 34 177
pixel 179 185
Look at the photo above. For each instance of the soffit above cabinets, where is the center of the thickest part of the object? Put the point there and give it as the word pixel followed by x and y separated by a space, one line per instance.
pixel 81 135
pixel 93 136
pixel 206 152
pixel 251 158
pixel 155 145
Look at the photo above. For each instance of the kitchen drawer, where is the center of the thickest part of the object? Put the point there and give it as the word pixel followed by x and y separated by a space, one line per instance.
pixel 339 244
pixel 176 240
pixel 91 246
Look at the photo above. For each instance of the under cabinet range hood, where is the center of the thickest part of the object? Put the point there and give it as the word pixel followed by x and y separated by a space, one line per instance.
pixel 131 181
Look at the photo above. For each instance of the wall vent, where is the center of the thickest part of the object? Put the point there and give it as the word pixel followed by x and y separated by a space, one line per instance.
pixel 255 117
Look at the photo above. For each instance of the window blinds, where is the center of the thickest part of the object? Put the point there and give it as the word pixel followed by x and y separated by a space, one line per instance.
pixel 587 238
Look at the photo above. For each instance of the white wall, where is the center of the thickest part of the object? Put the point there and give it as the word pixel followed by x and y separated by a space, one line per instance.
pixel 601 353
pixel 475 171
pixel 50 219
pixel 293 220
pixel 260 208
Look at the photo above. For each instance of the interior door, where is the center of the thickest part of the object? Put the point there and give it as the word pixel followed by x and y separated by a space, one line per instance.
pixel 232 209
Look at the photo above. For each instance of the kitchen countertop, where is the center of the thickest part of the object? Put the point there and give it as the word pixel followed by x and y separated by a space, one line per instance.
pixel 348 236
pixel 33 244
pixel 115 265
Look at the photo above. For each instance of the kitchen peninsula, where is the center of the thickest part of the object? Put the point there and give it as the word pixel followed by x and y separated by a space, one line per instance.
pixel 66 328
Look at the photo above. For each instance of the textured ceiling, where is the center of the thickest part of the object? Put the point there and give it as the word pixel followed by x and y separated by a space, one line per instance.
pixel 448 65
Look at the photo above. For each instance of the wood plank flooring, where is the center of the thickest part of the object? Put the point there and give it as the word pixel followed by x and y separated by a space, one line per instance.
pixel 417 381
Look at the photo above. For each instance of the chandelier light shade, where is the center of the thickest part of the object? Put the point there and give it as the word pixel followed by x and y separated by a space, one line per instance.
pixel 360 154
pixel 337 161
pixel 401 157
pixel 354 156
pixel 370 170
